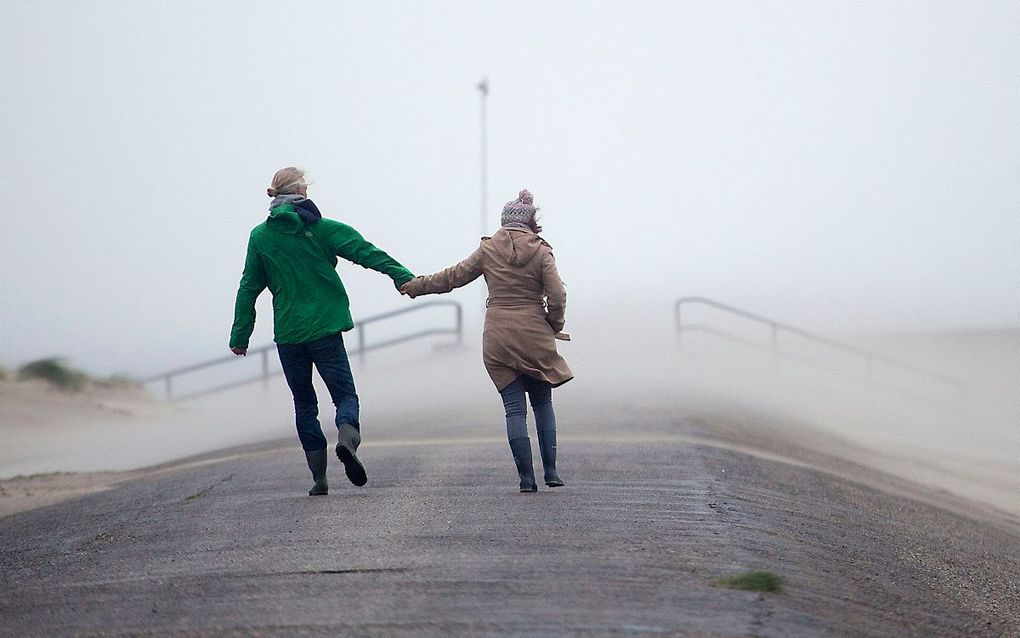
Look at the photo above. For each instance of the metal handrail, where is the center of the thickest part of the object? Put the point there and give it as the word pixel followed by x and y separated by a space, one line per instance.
pixel 360 350
pixel 870 358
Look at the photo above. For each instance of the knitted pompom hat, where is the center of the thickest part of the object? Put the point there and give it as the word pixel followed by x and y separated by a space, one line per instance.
pixel 520 212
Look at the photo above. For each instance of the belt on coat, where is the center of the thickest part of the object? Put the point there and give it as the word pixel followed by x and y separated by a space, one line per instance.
pixel 513 302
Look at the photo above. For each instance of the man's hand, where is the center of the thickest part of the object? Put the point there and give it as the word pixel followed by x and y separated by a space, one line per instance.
pixel 241 352
pixel 404 288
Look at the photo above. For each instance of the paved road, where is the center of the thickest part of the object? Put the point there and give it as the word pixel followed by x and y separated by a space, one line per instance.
pixel 439 543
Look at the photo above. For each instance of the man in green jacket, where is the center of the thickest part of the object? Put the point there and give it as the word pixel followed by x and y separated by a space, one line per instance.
pixel 294 254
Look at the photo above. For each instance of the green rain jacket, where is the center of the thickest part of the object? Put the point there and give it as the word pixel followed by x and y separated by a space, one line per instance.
pixel 297 262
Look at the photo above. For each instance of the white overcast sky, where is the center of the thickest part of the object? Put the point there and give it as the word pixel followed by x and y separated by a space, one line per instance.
pixel 847 165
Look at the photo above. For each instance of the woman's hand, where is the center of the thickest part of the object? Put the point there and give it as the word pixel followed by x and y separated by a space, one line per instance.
pixel 406 290
pixel 241 352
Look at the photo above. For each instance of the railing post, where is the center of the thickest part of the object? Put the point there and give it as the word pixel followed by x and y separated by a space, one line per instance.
pixel 265 368
pixel 679 324
pixel 361 343
pixel 460 325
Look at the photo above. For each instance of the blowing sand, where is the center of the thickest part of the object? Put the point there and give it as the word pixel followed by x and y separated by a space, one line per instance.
pixel 965 458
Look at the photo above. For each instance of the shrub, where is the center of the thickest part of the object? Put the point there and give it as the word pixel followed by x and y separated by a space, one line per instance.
pixel 56 372
pixel 753 581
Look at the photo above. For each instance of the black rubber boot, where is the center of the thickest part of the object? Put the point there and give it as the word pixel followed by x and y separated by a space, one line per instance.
pixel 521 448
pixel 547 445
pixel 317 464
pixel 349 440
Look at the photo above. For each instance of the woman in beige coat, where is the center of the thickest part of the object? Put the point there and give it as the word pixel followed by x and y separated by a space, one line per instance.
pixel 524 314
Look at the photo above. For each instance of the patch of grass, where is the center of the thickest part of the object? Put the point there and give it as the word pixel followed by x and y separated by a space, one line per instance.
pixel 55 371
pixel 753 581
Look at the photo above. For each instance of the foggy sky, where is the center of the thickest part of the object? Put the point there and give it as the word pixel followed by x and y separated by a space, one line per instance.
pixel 847 166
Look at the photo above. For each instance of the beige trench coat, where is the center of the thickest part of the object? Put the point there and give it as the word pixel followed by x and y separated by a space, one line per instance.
pixel 525 309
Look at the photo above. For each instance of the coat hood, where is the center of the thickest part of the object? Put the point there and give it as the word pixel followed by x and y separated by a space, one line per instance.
pixel 516 245
pixel 290 214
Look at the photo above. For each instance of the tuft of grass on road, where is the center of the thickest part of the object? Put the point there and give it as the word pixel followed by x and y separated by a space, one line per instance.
pixel 200 493
pixel 753 581
pixel 55 371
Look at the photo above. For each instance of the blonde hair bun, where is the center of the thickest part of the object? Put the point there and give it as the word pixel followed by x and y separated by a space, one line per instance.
pixel 286 181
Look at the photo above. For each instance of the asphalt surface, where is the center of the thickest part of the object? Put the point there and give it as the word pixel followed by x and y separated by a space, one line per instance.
pixel 440 543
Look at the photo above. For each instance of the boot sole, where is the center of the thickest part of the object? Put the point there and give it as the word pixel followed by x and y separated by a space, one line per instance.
pixel 316 492
pixel 554 483
pixel 353 468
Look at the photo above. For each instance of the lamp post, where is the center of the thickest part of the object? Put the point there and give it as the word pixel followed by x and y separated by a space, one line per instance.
pixel 483 88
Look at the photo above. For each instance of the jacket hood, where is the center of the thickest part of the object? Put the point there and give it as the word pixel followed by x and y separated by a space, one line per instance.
pixel 517 246
pixel 290 213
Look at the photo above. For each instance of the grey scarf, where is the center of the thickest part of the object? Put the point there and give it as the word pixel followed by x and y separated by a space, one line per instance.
pixel 290 198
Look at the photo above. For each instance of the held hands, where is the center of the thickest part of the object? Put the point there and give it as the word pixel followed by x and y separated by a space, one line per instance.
pixel 406 290
pixel 241 352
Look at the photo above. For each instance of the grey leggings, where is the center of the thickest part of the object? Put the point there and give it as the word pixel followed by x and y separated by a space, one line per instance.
pixel 540 394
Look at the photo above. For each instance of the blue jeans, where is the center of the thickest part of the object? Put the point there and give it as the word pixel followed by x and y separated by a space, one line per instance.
pixel 540 394
pixel 330 359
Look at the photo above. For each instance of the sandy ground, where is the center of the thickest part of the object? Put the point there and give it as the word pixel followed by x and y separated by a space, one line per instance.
pixel 58 445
